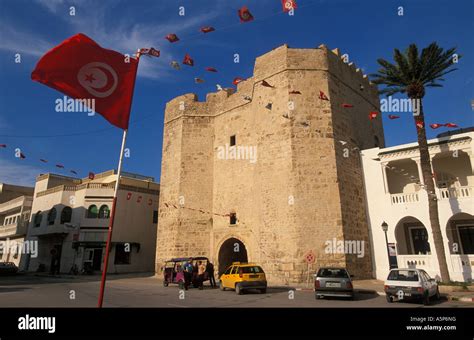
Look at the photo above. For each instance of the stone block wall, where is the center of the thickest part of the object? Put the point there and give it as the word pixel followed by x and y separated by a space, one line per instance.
pixel 299 191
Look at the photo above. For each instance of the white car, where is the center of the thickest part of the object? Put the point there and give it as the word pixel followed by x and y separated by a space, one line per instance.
pixel 410 284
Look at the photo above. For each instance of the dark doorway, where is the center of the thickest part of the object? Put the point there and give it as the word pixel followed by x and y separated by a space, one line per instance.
pixel 232 250
pixel 56 254
pixel 419 237
pixel 97 259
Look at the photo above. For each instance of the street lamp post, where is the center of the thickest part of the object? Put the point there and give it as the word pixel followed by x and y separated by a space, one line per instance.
pixel 385 229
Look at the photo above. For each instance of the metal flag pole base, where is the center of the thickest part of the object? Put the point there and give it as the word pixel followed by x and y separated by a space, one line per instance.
pixel 111 224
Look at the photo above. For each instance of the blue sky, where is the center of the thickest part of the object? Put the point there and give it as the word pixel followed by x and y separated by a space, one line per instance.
pixel 365 30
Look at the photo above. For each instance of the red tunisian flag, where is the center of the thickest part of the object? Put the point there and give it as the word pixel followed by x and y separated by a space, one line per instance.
pixel 81 69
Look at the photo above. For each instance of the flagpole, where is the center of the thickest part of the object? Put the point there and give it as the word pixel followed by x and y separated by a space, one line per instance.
pixel 112 212
pixel 111 223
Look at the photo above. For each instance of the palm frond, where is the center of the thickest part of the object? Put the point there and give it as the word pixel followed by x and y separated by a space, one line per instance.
pixel 413 68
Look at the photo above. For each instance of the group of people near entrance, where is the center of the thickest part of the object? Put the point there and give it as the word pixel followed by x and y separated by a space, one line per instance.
pixel 199 272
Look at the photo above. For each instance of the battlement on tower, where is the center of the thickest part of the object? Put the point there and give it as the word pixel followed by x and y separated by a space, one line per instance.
pixel 279 60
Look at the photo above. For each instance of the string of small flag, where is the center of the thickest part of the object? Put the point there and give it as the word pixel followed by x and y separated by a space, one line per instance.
pixel 246 16
pixel 20 154
pixel 170 205
pixel 139 199
pixel 392 168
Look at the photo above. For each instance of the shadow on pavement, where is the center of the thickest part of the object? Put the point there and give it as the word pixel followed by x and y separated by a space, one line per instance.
pixel 10 290
pixel 433 301
pixel 43 278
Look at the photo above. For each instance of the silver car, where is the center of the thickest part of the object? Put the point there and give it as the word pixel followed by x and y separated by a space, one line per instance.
pixel 410 284
pixel 335 282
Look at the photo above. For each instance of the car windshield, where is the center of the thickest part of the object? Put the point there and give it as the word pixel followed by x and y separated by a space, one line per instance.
pixel 333 272
pixel 403 275
pixel 251 270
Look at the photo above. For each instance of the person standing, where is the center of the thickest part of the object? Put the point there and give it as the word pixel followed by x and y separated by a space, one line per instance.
pixel 188 274
pixel 210 273
pixel 201 271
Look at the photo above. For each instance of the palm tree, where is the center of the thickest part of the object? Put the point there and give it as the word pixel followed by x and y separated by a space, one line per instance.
pixel 411 74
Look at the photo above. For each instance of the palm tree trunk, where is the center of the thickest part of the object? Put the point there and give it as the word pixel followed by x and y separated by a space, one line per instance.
pixel 428 180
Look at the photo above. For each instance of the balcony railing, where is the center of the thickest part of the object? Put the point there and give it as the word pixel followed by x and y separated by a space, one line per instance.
pixel 405 198
pixel 458 192
pixel 443 194
pixel 76 187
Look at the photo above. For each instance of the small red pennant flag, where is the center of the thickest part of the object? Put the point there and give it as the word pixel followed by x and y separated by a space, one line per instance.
pixel 154 53
pixel 266 84
pixel 419 124
pixel 237 80
pixel 393 117
pixel 198 80
pixel 207 29
pixel 288 5
pixel 43 160
pixel 347 105
pixel 129 196
pixel 60 166
pixel 3 145
pixel 91 175
pixel 373 115
pixel 435 125
pixel 188 60
pixel 245 15
pixel 294 92
pixel 323 96
pixel 451 125
pixel 139 199
pixel 149 52
pixel 211 69
pixel 172 38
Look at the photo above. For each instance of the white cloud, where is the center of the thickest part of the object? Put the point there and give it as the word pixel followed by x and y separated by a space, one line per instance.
pixel 14 41
pixel 52 5
pixel 125 34
pixel 18 173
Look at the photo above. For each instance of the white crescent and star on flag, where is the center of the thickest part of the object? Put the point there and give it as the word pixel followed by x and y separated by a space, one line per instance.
pixel 97 78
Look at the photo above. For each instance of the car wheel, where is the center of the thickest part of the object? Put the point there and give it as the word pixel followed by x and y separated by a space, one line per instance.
pixel 165 283
pixel 389 298
pixel 221 286
pixel 238 289
pixel 426 299
pixel 316 296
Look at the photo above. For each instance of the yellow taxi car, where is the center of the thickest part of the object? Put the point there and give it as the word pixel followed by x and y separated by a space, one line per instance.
pixel 243 276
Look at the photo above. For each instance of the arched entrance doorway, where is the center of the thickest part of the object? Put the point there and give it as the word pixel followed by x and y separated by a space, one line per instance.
pixel 232 250
pixel 412 237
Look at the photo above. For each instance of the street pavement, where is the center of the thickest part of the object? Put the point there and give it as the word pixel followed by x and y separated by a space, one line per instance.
pixel 148 291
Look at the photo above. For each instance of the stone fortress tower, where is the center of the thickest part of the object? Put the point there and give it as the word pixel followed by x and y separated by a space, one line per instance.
pixel 305 187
